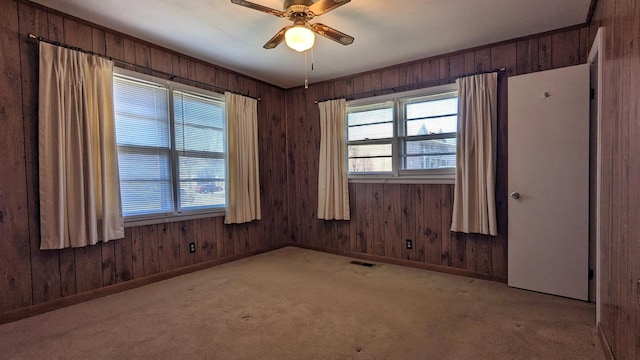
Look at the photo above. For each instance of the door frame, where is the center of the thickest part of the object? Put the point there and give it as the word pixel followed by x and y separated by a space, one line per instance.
pixel 595 57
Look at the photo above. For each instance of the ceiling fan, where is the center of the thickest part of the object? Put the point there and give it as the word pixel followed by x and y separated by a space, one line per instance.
pixel 299 36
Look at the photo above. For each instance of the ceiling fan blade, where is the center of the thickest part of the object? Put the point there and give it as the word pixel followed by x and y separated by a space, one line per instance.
pixel 333 34
pixel 258 7
pixel 324 6
pixel 276 39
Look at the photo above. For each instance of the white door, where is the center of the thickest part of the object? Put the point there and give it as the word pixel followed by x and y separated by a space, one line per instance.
pixel 548 162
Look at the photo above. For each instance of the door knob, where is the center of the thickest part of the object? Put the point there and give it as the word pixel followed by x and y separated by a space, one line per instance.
pixel 515 195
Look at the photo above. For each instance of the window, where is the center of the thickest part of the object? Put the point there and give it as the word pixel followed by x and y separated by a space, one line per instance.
pixel 411 135
pixel 171 148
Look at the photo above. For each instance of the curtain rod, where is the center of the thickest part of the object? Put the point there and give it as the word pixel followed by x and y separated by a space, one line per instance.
pixel 408 87
pixel 139 67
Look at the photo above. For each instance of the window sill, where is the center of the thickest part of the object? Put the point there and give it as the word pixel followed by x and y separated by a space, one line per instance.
pixel 141 221
pixel 434 179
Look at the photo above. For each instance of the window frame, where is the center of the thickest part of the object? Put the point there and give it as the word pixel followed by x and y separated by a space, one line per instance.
pixel 174 154
pixel 397 174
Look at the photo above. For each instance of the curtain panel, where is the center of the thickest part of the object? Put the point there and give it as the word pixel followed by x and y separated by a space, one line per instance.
pixel 474 208
pixel 243 204
pixel 78 170
pixel 333 187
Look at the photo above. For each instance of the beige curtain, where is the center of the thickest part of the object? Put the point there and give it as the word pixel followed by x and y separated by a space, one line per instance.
pixel 474 208
pixel 333 190
pixel 78 170
pixel 243 203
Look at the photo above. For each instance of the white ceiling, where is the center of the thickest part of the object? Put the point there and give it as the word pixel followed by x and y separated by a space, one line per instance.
pixel 386 32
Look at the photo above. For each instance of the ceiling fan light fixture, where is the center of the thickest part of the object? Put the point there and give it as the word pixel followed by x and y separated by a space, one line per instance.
pixel 299 38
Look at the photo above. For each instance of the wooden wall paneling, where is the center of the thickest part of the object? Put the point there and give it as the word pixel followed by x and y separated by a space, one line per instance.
pixel 219 235
pixel 151 249
pixel 419 238
pixel 109 261
pixel 114 46
pixel 471 253
pixel 56 27
pixel 279 194
pixel 402 75
pixel 376 81
pixel 389 78
pixel 160 60
pixel 209 239
pixel 291 176
pixel 505 56
pixel 458 243
pixel 457 65
pixel 414 73
pixel 377 220
pixel 353 215
pixel 585 44
pixel 168 246
pixel 15 267
pixel 45 265
pixel 361 221
pixel 430 70
pixel 266 150
pixel 370 219
pixel 527 56
pixel 312 162
pixel 366 83
pixel 469 62
pixel 444 67
pixel 436 250
pixel 545 53
pixel 143 57
pixel 358 84
pixel 392 220
pixel 484 247
pixel 185 236
pixel 482 59
pixel 566 48
pixel 129 51
pixel 88 260
pixel 137 253
pixel 124 255
pixel 407 207
pixel 342 234
pixel 67 272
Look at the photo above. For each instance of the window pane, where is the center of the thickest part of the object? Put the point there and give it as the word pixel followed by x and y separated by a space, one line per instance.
pixel 199 123
pixel 370 132
pixel 371 114
pixel 144 147
pixel 431 108
pixel 370 165
pixel 439 125
pixel 141 114
pixel 430 162
pixel 431 154
pixel 145 183
pixel 369 150
pixel 202 183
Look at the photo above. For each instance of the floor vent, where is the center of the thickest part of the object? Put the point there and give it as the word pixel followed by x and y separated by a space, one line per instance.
pixel 355 262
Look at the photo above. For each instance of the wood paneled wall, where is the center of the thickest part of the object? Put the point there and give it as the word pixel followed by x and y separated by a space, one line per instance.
pixel 620 244
pixel 384 215
pixel 29 276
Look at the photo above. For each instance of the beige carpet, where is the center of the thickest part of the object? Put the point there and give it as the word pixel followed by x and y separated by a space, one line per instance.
pixel 301 304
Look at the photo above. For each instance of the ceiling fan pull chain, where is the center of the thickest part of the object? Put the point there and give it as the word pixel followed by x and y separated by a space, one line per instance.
pixel 306 72
pixel 312 59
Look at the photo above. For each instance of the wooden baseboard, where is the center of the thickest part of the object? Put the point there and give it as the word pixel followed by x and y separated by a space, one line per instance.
pixel 606 348
pixel 38 309
pixel 409 263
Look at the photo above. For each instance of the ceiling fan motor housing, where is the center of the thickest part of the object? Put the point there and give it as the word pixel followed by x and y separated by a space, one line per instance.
pixel 297 9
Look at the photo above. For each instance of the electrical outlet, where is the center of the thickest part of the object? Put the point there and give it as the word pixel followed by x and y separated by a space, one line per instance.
pixel 409 244
pixel 192 248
